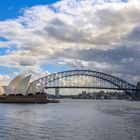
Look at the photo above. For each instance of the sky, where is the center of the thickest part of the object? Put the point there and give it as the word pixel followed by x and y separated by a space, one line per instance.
pixel 40 37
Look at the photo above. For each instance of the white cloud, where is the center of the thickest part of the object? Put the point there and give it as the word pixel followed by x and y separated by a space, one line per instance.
pixel 62 33
pixel 4 79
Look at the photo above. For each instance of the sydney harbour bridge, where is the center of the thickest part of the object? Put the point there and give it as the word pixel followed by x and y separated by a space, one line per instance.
pixel 86 79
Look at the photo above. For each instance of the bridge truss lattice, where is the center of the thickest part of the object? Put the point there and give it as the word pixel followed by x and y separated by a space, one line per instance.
pixel 84 79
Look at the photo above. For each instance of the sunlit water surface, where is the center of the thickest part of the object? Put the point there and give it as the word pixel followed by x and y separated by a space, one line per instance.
pixel 71 120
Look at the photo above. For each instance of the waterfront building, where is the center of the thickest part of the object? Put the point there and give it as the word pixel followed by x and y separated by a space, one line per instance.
pixel 20 85
pixel 21 90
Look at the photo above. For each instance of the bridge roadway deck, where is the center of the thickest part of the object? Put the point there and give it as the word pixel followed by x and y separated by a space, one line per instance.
pixel 126 89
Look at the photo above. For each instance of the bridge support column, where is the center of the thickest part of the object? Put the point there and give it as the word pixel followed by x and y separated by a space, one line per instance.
pixel 57 92
pixel 138 91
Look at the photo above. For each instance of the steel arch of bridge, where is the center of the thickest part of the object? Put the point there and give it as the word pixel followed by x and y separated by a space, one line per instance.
pixel 117 82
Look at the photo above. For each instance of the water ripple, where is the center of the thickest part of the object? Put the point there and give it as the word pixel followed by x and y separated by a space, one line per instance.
pixel 71 120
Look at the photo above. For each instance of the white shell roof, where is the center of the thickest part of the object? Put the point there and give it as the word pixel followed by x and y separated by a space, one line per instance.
pixel 14 83
pixel 8 90
pixel 19 84
pixel 33 88
pixel 23 85
pixel 1 90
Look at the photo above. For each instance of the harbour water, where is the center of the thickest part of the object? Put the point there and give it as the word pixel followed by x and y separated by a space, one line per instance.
pixel 71 120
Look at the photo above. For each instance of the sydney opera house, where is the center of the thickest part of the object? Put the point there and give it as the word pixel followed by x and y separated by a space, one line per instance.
pixel 20 86
pixel 20 90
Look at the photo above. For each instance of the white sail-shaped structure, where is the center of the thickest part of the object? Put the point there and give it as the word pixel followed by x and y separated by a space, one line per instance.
pixel 24 85
pixel 1 90
pixel 18 85
pixel 8 90
pixel 32 88
pixel 35 88
pixel 40 88
pixel 14 83
pixel 11 88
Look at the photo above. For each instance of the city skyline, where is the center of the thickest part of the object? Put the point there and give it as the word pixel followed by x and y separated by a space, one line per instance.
pixel 42 37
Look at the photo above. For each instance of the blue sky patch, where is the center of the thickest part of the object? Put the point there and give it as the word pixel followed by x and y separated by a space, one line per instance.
pixel 54 68
pixel 6 70
pixel 2 39
pixel 10 9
